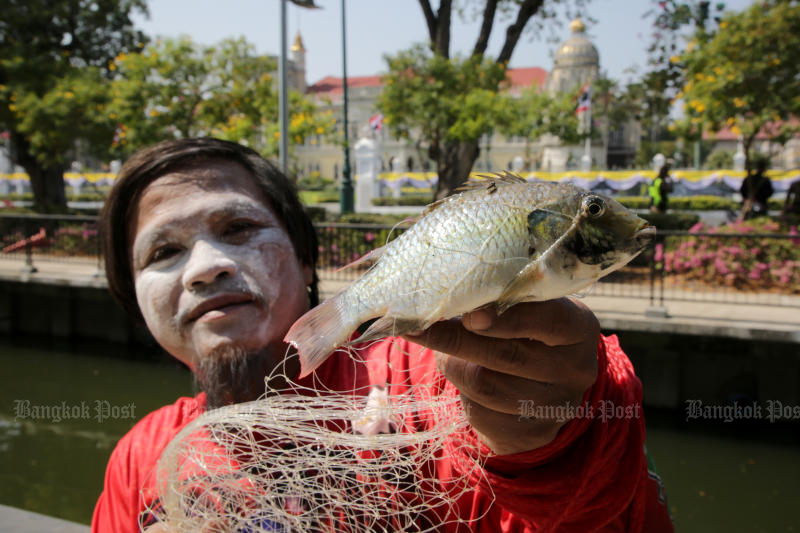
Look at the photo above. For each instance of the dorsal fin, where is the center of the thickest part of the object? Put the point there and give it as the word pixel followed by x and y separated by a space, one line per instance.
pixel 492 181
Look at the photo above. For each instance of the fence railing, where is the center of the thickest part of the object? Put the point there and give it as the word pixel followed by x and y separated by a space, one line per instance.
pixel 757 269
pixel 49 238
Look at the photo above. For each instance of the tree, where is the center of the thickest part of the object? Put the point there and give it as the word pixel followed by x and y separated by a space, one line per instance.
pixel 54 57
pixel 745 76
pixel 176 88
pixel 654 93
pixel 537 113
pixel 451 101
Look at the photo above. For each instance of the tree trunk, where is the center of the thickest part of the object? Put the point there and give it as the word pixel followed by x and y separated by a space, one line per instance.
pixel 454 165
pixel 47 182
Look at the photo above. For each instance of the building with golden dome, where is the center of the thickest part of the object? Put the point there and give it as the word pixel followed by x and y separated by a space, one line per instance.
pixel 576 62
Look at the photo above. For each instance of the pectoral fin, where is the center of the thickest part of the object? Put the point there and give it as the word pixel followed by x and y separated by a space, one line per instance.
pixel 388 326
pixel 522 287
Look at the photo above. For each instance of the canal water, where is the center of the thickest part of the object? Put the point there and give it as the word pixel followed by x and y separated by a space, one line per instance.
pixel 740 476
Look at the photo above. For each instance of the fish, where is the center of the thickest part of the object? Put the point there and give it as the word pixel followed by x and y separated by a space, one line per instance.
pixel 500 240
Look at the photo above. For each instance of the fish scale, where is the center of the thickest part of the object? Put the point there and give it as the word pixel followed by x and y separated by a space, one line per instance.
pixel 502 240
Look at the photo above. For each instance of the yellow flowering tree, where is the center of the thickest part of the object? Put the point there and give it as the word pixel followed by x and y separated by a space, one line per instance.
pixel 745 77
pixel 54 81
pixel 176 88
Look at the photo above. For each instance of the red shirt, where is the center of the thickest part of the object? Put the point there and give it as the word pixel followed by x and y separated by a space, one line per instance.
pixel 592 477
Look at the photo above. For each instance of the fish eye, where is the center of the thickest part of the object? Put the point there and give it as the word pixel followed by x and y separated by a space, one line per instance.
pixel 594 206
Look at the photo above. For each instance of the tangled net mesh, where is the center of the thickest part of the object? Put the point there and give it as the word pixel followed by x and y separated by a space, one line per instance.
pixel 306 460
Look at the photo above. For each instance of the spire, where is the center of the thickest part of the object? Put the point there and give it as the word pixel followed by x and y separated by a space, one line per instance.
pixel 577 26
pixel 298 44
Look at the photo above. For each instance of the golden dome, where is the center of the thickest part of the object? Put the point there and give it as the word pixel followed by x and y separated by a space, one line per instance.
pixel 298 44
pixel 578 50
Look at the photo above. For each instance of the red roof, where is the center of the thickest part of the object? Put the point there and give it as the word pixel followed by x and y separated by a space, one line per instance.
pixel 526 77
pixel 331 85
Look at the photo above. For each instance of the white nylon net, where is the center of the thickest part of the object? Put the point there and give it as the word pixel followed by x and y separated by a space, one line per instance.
pixel 311 461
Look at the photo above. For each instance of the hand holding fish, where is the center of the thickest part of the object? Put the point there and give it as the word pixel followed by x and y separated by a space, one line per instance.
pixel 545 352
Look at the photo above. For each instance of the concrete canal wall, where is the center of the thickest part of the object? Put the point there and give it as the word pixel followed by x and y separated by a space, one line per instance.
pixel 715 353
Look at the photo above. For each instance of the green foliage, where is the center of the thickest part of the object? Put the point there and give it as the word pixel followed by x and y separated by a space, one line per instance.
pixel 417 199
pixel 176 88
pixel 444 99
pixel 319 197
pixel 671 221
pixel 314 182
pixel 538 113
pixel 742 263
pixel 54 67
pixel 745 75
pixel 719 159
pixel 654 93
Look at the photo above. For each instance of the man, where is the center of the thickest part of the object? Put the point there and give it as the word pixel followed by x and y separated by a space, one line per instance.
pixel 756 191
pixel 660 189
pixel 208 244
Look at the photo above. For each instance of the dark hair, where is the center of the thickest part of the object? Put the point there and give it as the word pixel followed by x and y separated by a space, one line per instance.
pixel 149 164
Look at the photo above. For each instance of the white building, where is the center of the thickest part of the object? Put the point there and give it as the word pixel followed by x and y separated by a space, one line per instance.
pixel 576 62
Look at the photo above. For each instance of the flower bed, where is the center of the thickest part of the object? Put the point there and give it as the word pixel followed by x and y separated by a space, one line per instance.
pixel 745 263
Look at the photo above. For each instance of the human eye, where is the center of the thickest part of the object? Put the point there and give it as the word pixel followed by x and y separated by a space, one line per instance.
pixel 162 253
pixel 240 229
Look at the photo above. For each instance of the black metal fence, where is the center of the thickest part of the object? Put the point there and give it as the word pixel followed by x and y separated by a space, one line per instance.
pixel 757 269
pixel 53 239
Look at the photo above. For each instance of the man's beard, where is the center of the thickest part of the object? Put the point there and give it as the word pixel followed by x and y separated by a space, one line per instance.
pixel 230 374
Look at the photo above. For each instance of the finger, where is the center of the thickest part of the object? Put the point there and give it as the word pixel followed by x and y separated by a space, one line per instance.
pixel 555 322
pixel 500 392
pixel 505 434
pixel 575 365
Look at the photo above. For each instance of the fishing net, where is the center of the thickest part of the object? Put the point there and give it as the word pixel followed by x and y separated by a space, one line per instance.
pixel 311 460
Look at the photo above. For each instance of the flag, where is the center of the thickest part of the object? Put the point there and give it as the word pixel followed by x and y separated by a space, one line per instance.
pixel 376 122
pixel 584 100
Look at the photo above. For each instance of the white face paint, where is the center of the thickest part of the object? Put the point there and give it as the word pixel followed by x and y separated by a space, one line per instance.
pixel 212 264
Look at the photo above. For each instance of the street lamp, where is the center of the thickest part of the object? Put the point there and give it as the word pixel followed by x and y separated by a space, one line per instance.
pixel 346 192
pixel 283 93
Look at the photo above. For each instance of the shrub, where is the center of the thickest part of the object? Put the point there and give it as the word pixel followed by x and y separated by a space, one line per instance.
pixel 742 263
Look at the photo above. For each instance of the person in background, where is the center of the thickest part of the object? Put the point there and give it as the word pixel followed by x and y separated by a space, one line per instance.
pixel 791 208
pixel 207 243
pixel 756 191
pixel 660 189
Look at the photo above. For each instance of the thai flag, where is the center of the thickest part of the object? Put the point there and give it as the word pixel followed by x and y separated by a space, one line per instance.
pixel 584 100
pixel 376 122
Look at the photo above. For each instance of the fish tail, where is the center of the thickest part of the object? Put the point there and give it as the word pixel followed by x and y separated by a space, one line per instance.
pixel 319 332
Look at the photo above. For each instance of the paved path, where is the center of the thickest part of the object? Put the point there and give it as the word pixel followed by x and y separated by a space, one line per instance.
pixel 21 521
pixel 745 321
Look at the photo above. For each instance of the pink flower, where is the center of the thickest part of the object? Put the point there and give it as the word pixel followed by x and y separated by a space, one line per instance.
pixel 755 274
pixel 369 236
pixel 659 255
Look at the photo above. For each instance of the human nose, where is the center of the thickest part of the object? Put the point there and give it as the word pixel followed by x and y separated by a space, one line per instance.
pixel 206 264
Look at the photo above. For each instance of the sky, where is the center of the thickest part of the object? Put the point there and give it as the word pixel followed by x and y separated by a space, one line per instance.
pixel 379 27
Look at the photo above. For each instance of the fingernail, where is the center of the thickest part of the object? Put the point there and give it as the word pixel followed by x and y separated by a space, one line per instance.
pixel 479 320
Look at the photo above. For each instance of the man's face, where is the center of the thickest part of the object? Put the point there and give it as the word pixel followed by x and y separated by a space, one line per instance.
pixel 213 267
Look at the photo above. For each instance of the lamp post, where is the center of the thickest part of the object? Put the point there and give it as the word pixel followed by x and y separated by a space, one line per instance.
pixel 346 191
pixel 283 92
